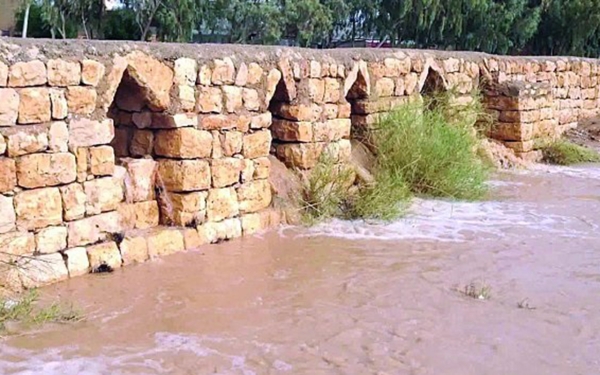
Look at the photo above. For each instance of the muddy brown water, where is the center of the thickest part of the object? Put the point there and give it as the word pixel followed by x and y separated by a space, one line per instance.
pixel 355 298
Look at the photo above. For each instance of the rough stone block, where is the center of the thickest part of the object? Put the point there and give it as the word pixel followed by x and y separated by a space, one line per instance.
pixel 185 143
pixel 251 223
pixel 63 73
pixel 7 214
pixel 225 171
pixel 247 170
pixel 167 121
pixel 185 71
pixel 84 132
pixel 155 77
pixel 332 130
pixel 134 249
pixel 73 201
pixel 384 87
pixel 316 89
pixel 292 131
pixel 146 214
pixel 227 229
pixel 77 261
pixel 91 72
pixel 164 241
pixel 93 229
pixel 34 106
pixel 242 76
pixel 233 98
pixel 8 175
pixel 251 99
pixel 221 204
pixel 210 100
pixel 105 253
pixel 31 73
pixel 261 121
pixel 142 119
pixel 223 122
pixel 273 79
pixel 81 100
pixel 187 98
pixel 38 208
pixel 525 146
pixel 344 110
pixel 140 180
pixel 58 137
pixel 256 144
pixel 3 74
pixel 183 209
pixel 223 72
pixel 191 239
pixel 102 160
pixel 82 155
pixel 42 270
pixel 513 131
pixel 262 168
pixel 184 175
pixel 255 73
pixel 231 142
pixel 9 110
pixel 51 239
pixel 204 75
pixel 102 195
pixel 299 112
pixel 40 170
pixel 299 155
pixel 330 111
pixel 254 196
pixel 25 140
pixel 142 143
pixel 332 90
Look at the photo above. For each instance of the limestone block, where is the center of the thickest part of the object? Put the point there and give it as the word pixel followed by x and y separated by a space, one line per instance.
pixel 93 229
pixel 3 74
pixel 42 270
pixel 9 110
pixel 134 249
pixel 102 160
pixel 255 73
pixel 183 209
pixel 410 83
pixel 163 241
pixel 8 217
pixel 298 112
pixel 58 137
pixel 332 130
pixel 204 75
pixel 221 204
pixel 51 239
pixel 140 180
pixel 262 168
pixel 230 142
pixel 82 155
pixel 254 196
pixel 2 145
pixel 247 170
pixel 39 170
pixel 292 131
pixel 225 171
pixel 142 143
pixel 299 155
pixel 340 151
pixel 63 73
pixel 184 175
pixel 273 79
pixel 224 72
pixel 210 100
pixel 102 195
pixel 34 106
pixel 142 119
pixel 315 69
pixel 519 116
pixel 316 89
pixel 146 214
pixel 153 76
pixel 185 143
pixel 91 72
pixel 167 121
pixel 105 253
pixel 185 71
pixel 207 233
pixel 233 98
pixel 251 223
pixel 84 132
pixel 25 140
pixel 187 98
pixel 223 122
pixel 81 100
pixel 77 261
pixel 256 144
pixel 251 99
pixel 191 239
pixel 332 90
pixel 8 174
pixel 73 201
pixel 525 146
pixel 330 111
pixel 227 229
pixel 384 87
pixel 126 213
pixel 344 110
pixel 38 208
pixel 261 121
pixel 31 73
pixel 513 131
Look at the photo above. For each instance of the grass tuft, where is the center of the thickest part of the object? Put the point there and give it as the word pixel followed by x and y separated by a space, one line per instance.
pixel 564 152
pixel 476 291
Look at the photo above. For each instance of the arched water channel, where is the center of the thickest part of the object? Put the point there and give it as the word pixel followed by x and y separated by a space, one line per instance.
pixel 352 298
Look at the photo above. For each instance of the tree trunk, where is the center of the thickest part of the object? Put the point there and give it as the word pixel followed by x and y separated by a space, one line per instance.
pixel 26 21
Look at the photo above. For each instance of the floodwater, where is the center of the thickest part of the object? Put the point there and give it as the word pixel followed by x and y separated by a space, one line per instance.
pixel 356 298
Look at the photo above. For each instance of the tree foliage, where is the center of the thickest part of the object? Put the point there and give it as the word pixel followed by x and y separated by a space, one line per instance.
pixel 551 27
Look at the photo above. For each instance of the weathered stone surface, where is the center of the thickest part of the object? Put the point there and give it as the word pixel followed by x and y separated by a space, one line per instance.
pixel 25 140
pixel 332 130
pixel 226 230
pixel 332 90
pixel 134 249
pixel 34 106
pixel 51 239
pixel 251 99
pixel 8 175
pixel 221 204
pixel 273 79
pixel 81 100
pixel 84 132
pixel 82 155
pixel 185 71
pixel 142 143
pixel 251 223
pixel 187 98
pixel 292 131
pixel 247 170
pixel 184 175
pixel 73 201
pixel 146 214
pixel 210 100
pixel 58 102
pixel 255 73
pixel 15 244
pixel 93 229
pixel 42 270
pixel 104 253
pixel 262 168
pixel 224 72
pixel 225 171
pixel 231 143
pixel 384 87
pixel 77 261
pixel 298 112
pixel 261 121
pixel 3 74
pixel 204 75
pixel 2 145
pixel 63 73
pixel 102 195
pixel 256 144
pixel 163 241
pixel 233 98
pixel 316 89
pixel 155 77
pixel 242 76
pixel 102 160
pixel 300 155
pixel 38 208
pixel 8 217
pixel 223 122
pixel 183 209
pixel 191 239
pixel 39 170
pixel 31 73
pixel 9 110
pixel 185 143
pixel 254 196
pixel 140 180
pixel 58 137
pixel 91 72
pixel 166 121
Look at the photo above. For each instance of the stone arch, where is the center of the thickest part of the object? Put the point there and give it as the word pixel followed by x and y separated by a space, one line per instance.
pixel 432 80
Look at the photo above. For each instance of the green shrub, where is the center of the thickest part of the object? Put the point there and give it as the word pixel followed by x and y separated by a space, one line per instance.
pixel 564 152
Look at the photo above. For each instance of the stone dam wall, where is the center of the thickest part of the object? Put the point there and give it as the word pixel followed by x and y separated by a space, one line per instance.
pixel 116 152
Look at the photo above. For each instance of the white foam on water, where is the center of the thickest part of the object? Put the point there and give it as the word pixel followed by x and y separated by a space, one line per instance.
pixel 586 172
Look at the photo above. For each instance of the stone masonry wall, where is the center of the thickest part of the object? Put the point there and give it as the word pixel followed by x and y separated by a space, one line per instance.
pixel 115 153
